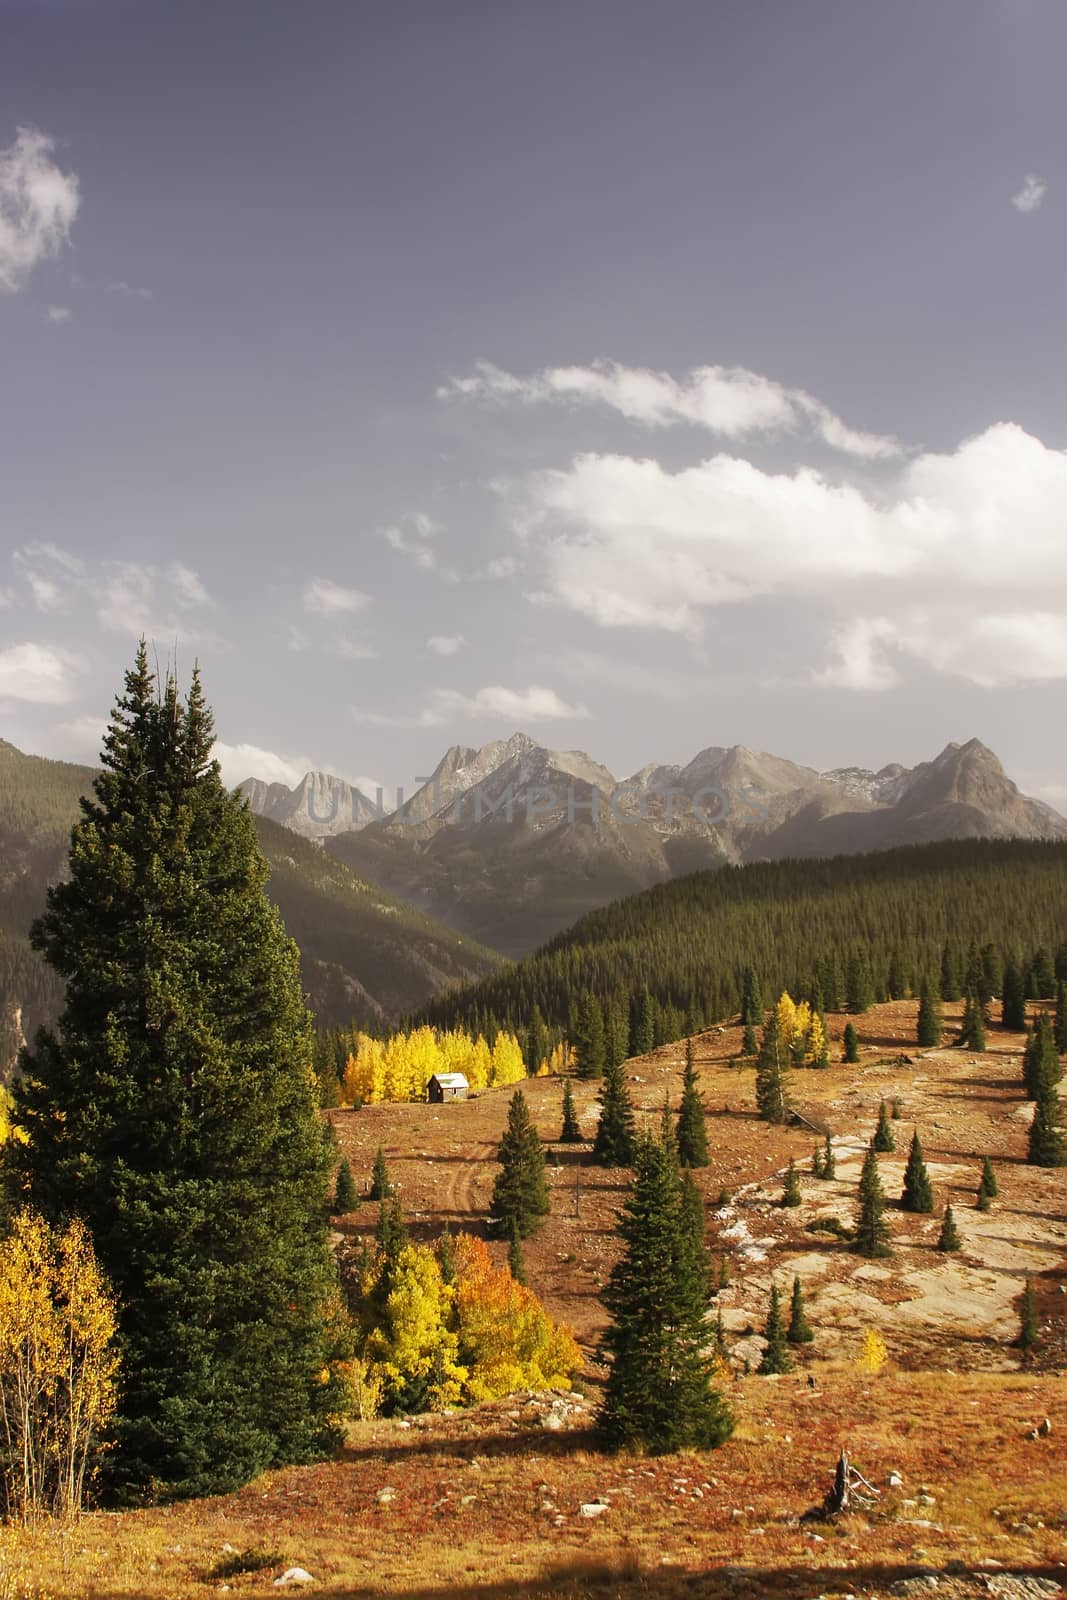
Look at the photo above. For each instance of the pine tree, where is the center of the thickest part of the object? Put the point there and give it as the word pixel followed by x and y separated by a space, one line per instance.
pixel 1059 1031
pixel 791 1195
pixel 659 1394
pixel 446 1259
pixel 930 1024
pixel 749 1041
pixel 776 1357
pixel 691 1134
pixel 345 1197
pixel 570 1132
pixel 642 1023
pixel 380 1186
pixel 516 1259
pixel 989 1179
pixel 1042 976
pixel 829 1163
pixel 751 1000
pixel 897 982
pixel 174 1108
pixel 871 1236
pixel 859 981
pixel 520 1193
pixel 817 1169
pixel 851 1042
pixel 918 1195
pixel 614 1142
pixel 982 1200
pixel 1013 999
pixel 883 1136
pixel 799 1331
pixel 772 1099
pixel 588 1038
pixel 948 1239
pixel 1028 1317
pixel 1041 1064
pixel 1047 1145
pixel 972 1029
pixel 950 974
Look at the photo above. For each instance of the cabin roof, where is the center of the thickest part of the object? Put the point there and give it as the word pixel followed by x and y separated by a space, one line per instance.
pixel 450 1080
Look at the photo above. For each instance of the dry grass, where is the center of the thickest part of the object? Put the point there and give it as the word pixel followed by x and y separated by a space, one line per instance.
pixel 486 1506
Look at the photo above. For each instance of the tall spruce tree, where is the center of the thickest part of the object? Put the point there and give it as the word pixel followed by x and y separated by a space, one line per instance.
pixel 1041 1063
pixel 1047 1147
pixel 642 1022
pixel 950 974
pixel 851 1045
pixel 570 1132
pixel 949 1238
pixel 928 1033
pixel 1013 999
pixel 659 1394
pixel 791 1195
pixel 1059 1028
pixel 772 1094
pixel 972 1028
pixel 520 1193
pixel 918 1195
pixel 173 1108
pixel 883 1134
pixel 776 1357
pixel 799 1330
pixel 989 1179
pixel 859 981
pixel 692 1133
pixel 588 1038
pixel 380 1186
pixel 871 1233
pixel 345 1195
pixel 615 1136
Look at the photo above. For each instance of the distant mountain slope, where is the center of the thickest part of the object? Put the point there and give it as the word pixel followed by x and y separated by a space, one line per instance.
pixel 366 956
pixel 511 842
pixel 691 940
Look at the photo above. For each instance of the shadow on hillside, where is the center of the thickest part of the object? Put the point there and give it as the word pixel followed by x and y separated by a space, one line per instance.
pixel 484 1446
pixel 592 1580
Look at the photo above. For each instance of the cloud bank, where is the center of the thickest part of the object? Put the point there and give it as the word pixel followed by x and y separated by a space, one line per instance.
pixel 38 205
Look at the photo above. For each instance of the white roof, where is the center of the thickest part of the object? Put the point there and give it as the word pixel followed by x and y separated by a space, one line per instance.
pixel 450 1080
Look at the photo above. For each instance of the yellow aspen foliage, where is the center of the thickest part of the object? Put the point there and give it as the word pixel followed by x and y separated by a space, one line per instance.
pixel 413 1351
pixel 58 1366
pixel 874 1353
pixel 400 1067
pixel 7 1129
pixel 479 1065
pixel 800 1031
pixel 507 1340
pixel 562 1059
pixel 508 1064
pixel 816 1039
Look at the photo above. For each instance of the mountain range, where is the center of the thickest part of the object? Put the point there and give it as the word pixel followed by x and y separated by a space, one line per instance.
pixel 512 842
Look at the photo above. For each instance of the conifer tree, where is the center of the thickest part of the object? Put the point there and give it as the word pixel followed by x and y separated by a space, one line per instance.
pixel 772 1099
pixel 1013 999
pixel 642 1023
pixel 751 1000
pixel 345 1196
pixel 174 1109
pixel 1041 1064
pixel 851 1052
pixel 1027 1318
pixel 949 1238
pixel 380 1186
pixel 972 1028
pixel 446 1259
pixel 982 1200
pixel 749 1041
pixel 918 1195
pixel 520 1193
pixel 776 1357
pixel 570 1132
pixel 691 1134
pixel 883 1135
pixel 799 1331
pixel 991 979
pixel 871 1235
pixel 1042 976
pixel 989 1179
pixel 588 1038
pixel 829 1164
pixel 615 1136
pixel 817 1170
pixel 659 1394
pixel 1048 1147
pixel 896 983
pixel 950 974
pixel 928 1034
pixel 791 1195
pixel 1059 1029
pixel 859 981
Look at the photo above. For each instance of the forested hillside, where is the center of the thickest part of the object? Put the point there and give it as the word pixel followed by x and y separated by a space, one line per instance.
pixel 366 955
pixel 685 946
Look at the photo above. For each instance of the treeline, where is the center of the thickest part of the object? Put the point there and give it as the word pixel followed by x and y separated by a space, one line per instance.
pixel 851 931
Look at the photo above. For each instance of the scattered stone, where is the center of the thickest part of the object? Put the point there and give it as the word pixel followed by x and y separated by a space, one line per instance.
pixel 384 1496
pixel 593 1508
pixel 293 1575
pixel 1014 1586
pixel 907 1587
pixel 894 1480
pixel 1045 1428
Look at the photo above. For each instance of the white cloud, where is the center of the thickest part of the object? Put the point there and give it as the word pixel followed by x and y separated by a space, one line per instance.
pixel 412 537
pixel 445 644
pixel 188 590
pixel 82 738
pixel 535 704
pixel 128 289
pixel 1030 196
pixel 7 598
pixel 960 562
pixel 39 674
pixel 499 567
pixel 325 598
pixel 38 204
pixel 49 572
pixel 58 314
pixel 352 650
pixel 136 599
pixel 241 761
pixel 730 401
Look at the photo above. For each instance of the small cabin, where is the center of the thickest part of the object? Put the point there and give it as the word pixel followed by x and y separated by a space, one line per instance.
pixel 447 1086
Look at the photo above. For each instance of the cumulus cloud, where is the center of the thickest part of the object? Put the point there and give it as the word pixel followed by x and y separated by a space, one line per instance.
pixel 1030 196
pixel 412 536
pixel 39 674
pixel 730 401
pixel 626 542
pixel 325 598
pixel 129 290
pixel 241 761
pixel 81 738
pixel 445 644
pixel 137 598
pixel 38 204
pixel 56 314
pixel 535 704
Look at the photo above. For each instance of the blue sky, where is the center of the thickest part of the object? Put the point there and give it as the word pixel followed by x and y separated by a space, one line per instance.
pixel 643 376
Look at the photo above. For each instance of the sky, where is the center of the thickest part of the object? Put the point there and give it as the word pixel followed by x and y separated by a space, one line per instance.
pixel 641 376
